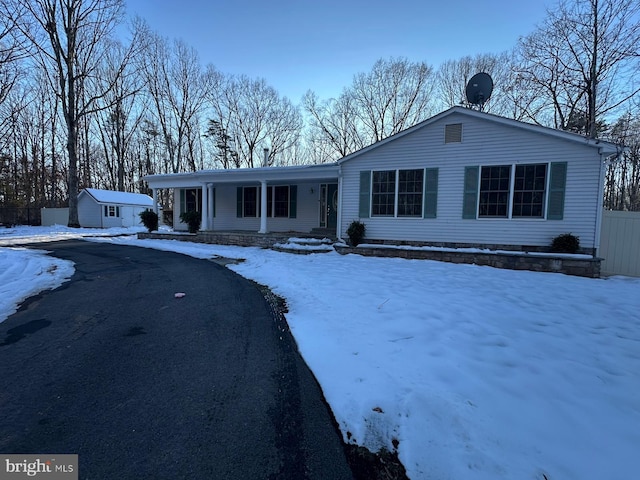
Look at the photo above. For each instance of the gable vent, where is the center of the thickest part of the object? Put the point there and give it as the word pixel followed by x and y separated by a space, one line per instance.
pixel 453 133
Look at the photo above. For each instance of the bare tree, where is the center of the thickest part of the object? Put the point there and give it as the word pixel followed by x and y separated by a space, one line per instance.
pixel 622 184
pixel 67 36
pixel 334 128
pixel 250 116
pixel 177 87
pixel 122 111
pixel 394 95
pixel 584 60
pixel 9 67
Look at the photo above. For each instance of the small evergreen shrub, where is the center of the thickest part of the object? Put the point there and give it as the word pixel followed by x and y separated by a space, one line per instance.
pixel 565 243
pixel 149 220
pixel 356 233
pixel 192 219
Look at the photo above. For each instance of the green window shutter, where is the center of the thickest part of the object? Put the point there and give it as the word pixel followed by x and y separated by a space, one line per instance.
pixel 118 211
pixel 106 211
pixel 183 201
pixel 239 202
pixel 470 199
pixel 557 185
pixel 365 194
pixel 214 201
pixel 431 193
pixel 293 201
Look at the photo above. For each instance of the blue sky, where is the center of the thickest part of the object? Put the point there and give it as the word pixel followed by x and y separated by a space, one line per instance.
pixel 320 45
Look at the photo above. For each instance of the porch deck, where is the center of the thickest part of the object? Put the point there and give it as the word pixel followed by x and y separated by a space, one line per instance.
pixel 240 238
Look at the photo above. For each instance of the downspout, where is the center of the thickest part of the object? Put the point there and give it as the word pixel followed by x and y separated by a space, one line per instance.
pixel 339 212
pixel 599 207
pixel 263 196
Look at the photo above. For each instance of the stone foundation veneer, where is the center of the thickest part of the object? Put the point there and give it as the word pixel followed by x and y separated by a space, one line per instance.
pixel 579 265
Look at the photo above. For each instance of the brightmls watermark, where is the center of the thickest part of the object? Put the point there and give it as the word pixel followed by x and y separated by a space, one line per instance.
pixel 45 467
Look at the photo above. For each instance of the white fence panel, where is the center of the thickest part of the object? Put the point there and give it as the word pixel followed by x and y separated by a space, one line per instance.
pixel 54 216
pixel 620 243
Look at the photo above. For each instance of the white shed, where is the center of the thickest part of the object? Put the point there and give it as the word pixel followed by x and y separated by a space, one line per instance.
pixel 108 208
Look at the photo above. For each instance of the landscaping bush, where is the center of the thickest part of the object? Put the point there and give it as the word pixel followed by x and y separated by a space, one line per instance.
pixel 149 220
pixel 192 219
pixel 356 233
pixel 565 243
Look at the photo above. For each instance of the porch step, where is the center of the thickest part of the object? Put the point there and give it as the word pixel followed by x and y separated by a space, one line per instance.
pixel 305 246
pixel 324 232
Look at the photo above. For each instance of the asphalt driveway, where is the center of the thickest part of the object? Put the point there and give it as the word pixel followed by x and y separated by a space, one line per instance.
pixel 112 367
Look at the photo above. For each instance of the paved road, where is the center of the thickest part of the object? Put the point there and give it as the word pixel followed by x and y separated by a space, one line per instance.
pixel 142 385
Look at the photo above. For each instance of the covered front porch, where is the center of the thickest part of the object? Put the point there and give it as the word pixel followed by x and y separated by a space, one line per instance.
pixel 292 200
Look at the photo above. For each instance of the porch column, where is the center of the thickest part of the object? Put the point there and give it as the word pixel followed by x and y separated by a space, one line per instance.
pixel 210 206
pixel 263 207
pixel 155 200
pixel 204 221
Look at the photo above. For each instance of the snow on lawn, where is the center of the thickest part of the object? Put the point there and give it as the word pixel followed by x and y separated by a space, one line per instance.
pixel 24 273
pixel 478 373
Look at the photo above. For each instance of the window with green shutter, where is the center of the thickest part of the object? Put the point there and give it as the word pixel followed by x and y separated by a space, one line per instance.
pixel 515 191
pixel 431 193
pixel 557 186
pixel 239 202
pixel 365 194
pixel 470 198
pixel 293 201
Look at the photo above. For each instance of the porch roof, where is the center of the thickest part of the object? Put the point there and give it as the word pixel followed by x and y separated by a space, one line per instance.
pixel 325 172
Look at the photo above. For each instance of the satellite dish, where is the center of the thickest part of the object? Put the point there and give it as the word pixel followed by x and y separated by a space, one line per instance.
pixel 479 89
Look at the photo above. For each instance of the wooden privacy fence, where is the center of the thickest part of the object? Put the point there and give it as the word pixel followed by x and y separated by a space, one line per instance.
pixel 620 243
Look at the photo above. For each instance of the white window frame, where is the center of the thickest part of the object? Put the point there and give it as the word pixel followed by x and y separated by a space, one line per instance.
pixel 512 177
pixel 396 194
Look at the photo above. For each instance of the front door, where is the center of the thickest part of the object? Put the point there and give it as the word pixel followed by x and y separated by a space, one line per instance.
pixel 332 204
pixel 329 205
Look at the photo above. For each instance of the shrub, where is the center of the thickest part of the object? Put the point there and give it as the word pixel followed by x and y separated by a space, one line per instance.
pixel 149 220
pixel 565 243
pixel 356 233
pixel 192 219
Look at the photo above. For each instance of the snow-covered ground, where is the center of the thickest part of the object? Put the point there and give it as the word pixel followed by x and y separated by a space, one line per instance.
pixel 478 373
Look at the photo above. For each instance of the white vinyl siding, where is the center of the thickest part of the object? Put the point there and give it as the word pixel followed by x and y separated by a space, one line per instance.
pixel 485 143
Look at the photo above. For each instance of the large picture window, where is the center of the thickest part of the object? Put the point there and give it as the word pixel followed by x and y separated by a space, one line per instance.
pixel 528 190
pixel 494 191
pixel 193 200
pixel 383 193
pixel 410 191
pixel 514 191
pixel 278 201
pixel 397 193
pixel 250 202
pixel 281 201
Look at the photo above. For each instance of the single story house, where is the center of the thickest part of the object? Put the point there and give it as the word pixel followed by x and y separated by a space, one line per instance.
pixel 460 178
pixel 108 208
